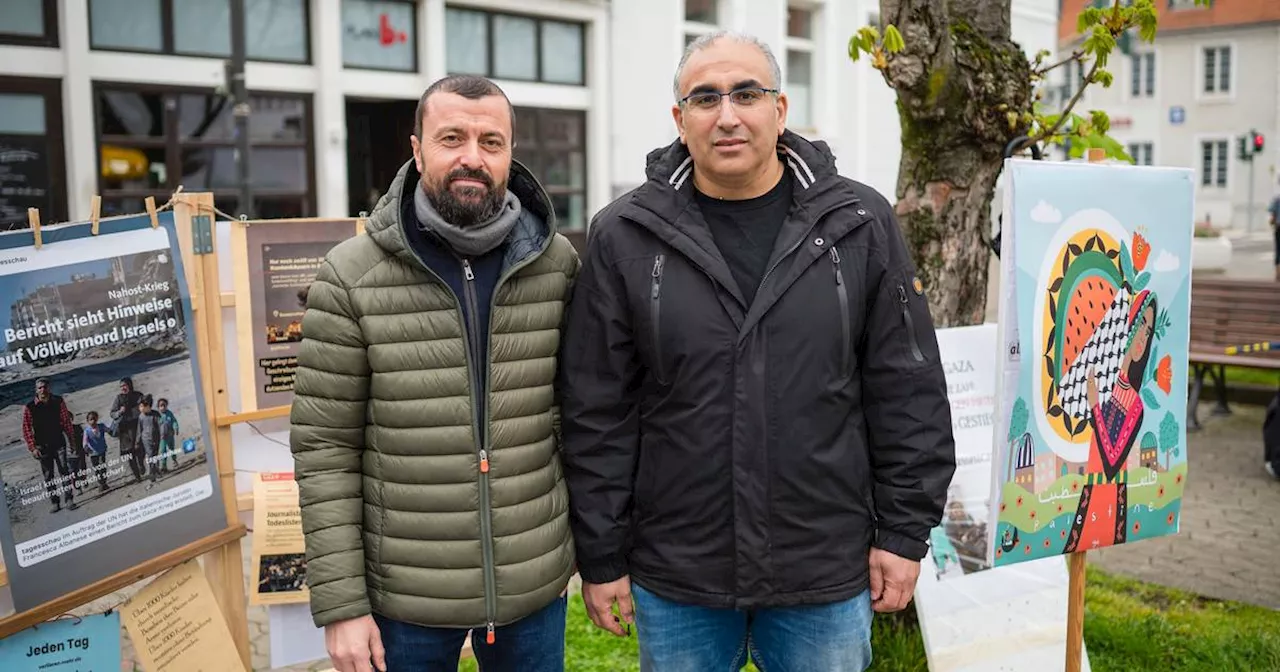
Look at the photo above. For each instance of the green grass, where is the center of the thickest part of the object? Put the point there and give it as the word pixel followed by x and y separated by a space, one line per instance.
pixel 1244 376
pixel 1129 625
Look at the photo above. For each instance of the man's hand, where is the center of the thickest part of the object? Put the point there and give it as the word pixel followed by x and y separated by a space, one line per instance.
pixel 893 581
pixel 352 643
pixel 600 598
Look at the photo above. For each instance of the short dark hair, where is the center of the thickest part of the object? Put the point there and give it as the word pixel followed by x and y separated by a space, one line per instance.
pixel 471 87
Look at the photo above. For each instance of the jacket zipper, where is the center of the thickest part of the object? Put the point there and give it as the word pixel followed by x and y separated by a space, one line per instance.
pixel 910 323
pixel 845 327
pixel 655 303
pixel 486 533
pixel 801 239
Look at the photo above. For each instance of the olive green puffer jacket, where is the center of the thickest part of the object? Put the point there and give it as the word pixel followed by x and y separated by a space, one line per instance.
pixel 398 515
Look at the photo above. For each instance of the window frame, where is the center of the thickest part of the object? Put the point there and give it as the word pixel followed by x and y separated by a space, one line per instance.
pixel 417 57
pixel 1150 147
pixel 1218 94
pixel 808 46
pixel 1200 143
pixel 540 150
pixel 173 144
pixel 491 45
pixel 48 39
pixel 55 137
pixel 1138 68
pixel 167 39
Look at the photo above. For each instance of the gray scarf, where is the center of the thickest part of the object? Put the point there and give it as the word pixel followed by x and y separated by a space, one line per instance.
pixel 471 241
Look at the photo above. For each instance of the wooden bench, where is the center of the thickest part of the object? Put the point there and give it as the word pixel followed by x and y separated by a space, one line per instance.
pixel 1227 313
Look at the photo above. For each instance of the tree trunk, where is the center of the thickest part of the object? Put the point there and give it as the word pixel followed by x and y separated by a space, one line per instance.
pixel 956 79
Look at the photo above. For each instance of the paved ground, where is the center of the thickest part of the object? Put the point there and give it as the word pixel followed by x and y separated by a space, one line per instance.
pixel 1229 543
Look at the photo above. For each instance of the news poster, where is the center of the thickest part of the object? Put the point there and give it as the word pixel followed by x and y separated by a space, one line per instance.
pixel 279 558
pixel 275 262
pixel 975 618
pixel 175 625
pixel 104 453
pixel 74 644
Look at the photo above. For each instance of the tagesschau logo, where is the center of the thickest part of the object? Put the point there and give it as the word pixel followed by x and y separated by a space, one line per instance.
pixel 5 261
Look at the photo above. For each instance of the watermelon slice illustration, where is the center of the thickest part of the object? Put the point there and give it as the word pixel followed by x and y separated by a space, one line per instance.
pixel 1089 307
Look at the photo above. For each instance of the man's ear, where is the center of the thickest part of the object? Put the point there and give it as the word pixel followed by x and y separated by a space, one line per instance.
pixel 677 115
pixel 782 106
pixel 417 153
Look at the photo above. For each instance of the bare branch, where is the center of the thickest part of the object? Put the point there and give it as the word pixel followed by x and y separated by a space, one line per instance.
pixel 1062 117
pixel 1075 56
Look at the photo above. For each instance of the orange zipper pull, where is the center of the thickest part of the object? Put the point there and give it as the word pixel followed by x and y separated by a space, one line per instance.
pixel 489 638
pixel 484 469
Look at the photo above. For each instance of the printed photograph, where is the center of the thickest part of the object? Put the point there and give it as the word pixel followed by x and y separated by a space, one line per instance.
pixel 97 400
pixel 282 573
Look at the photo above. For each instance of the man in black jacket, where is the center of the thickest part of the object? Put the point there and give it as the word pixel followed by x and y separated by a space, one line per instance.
pixel 757 438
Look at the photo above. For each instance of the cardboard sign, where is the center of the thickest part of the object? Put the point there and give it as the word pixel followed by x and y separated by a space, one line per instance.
pixel 89 644
pixel 176 626
pixel 279 551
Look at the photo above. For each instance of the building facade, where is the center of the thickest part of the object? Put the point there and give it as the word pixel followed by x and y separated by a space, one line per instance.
pixel 128 98
pixel 1211 77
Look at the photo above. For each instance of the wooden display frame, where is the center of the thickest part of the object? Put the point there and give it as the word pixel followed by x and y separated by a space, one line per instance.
pixel 223 564
pixel 242 300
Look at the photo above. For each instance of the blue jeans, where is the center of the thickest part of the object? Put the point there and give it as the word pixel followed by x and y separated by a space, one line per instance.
pixel 678 637
pixel 534 643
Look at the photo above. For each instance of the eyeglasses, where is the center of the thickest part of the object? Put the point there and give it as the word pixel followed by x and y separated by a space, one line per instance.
pixel 705 101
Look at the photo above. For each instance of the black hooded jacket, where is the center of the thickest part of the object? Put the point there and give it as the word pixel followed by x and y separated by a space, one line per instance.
pixel 748 456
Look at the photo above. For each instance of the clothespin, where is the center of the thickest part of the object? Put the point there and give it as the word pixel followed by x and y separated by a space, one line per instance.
pixel 95 211
pixel 151 210
pixel 33 218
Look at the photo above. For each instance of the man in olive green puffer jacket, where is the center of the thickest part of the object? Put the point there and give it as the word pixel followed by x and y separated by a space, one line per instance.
pixel 424 425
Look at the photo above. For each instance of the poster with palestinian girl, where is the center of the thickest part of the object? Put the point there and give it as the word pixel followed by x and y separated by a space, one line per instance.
pixel 1095 305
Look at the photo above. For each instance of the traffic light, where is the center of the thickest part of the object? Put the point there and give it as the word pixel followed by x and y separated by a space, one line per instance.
pixel 1243 151
pixel 1257 140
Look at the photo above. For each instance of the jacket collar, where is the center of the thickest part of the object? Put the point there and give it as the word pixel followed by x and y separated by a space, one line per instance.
pixel 531 234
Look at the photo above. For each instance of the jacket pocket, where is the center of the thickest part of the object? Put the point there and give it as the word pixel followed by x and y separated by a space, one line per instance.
pixel 655 318
pixel 846 327
pixel 910 324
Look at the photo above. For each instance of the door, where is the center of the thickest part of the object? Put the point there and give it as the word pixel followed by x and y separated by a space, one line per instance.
pixel 32 156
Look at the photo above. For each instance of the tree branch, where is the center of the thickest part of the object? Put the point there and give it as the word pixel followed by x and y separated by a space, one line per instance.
pixel 1075 56
pixel 1062 117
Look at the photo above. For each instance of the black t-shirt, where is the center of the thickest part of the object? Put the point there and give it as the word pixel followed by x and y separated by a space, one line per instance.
pixel 745 231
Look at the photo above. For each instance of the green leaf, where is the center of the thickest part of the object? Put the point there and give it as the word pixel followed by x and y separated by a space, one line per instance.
pixel 1141 282
pixel 893 41
pixel 855 49
pixel 1126 262
pixel 1101 122
pixel 1087 19
pixel 871 35
pixel 1150 399
pixel 1104 77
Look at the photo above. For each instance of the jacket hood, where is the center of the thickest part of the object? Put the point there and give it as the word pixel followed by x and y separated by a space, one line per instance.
pixel 810 160
pixel 537 220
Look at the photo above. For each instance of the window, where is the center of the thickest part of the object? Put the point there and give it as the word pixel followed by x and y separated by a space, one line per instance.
pixel 32 169
pixel 1141 153
pixel 552 144
pixel 275 30
pixel 1217 69
pixel 1183 4
pixel 799 75
pixel 1213 163
pixel 32 23
pixel 379 35
pixel 151 140
pixel 1143 75
pixel 701 11
pixel 506 46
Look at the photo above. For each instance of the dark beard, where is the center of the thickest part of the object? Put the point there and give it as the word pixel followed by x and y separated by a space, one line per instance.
pixel 466 214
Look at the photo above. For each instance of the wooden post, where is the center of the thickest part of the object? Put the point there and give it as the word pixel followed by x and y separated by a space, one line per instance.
pixel 224 566
pixel 1076 561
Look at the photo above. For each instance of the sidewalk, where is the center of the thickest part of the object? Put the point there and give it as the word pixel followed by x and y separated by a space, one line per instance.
pixel 1229 542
